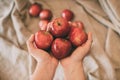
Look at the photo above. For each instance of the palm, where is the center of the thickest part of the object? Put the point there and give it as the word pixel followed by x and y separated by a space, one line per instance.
pixel 79 53
pixel 39 54
pixel 42 55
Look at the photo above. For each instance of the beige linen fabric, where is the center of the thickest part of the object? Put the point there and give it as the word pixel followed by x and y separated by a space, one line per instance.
pixel 101 17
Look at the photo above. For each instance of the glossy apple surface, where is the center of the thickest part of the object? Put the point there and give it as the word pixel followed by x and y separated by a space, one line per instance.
pixel 67 14
pixel 43 24
pixel 77 36
pixel 59 27
pixel 61 48
pixel 43 39
pixel 45 14
pixel 35 9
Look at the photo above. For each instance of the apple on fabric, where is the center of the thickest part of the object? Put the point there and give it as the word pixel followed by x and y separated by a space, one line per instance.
pixel 67 14
pixel 35 9
pixel 45 14
pixel 77 23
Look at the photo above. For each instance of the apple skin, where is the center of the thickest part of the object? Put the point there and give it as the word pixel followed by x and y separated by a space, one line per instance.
pixel 43 24
pixel 77 36
pixel 59 27
pixel 43 39
pixel 61 48
pixel 76 24
pixel 45 14
pixel 35 9
pixel 67 14
pixel 80 24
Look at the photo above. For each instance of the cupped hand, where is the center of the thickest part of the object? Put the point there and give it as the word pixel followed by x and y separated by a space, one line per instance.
pixel 46 63
pixel 79 53
pixel 41 56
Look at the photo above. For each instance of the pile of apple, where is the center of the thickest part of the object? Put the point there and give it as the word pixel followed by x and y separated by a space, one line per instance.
pixel 60 36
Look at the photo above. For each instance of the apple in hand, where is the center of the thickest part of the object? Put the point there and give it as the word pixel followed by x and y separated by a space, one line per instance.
pixel 43 24
pixel 45 14
pixel 60 27
pixel 35 9
pixel 80 24
pixel 77 24
pixel 67 14
pixel 43 39
pixel 61 48
pixel 77 36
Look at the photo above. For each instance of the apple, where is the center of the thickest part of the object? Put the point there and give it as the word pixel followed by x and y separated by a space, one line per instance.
pixel 67 14
pixel 61 48
pixel 43 39
pixel 77 36
pixel 43 24
pixel 80 24
pixel 59 27
pixel 35 9
pixel 76 24
pixel 45 14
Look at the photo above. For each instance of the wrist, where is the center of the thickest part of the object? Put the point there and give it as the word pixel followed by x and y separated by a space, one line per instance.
pixel 74 71
pixel 47 66
pixel 48 63
pixel 71 64
pixel 42 70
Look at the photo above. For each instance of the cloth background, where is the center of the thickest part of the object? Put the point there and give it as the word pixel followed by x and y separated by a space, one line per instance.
pixel 101 17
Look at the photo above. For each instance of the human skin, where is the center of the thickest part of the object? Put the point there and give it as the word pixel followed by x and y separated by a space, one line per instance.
pixel 73 65
pixel 47 64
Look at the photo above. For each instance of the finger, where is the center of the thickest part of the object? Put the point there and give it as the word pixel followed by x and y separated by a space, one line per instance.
pixel 30 42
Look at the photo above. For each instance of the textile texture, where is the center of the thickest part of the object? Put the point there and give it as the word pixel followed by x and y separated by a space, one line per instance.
pixel 101 17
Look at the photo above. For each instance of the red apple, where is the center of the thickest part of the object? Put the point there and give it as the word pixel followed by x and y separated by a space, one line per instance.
pixel 43 24
pixel 35 9
pixel 61 48
pixel 77 36
pixel 80 24
pixel 60 27
pixel 67 14
pixel 43 39
pixel 77 24
pixel 45 14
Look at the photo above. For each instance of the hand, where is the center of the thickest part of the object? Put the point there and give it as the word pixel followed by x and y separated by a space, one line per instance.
pixel 72 65
pixel 46 63
pixel 79 53
pixel 39 55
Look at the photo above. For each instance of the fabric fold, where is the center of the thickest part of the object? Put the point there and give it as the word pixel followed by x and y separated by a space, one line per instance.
pixel 101 17
pixel 108 8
